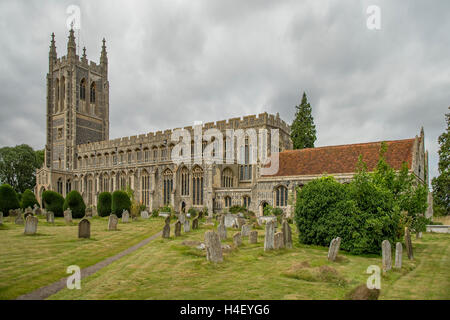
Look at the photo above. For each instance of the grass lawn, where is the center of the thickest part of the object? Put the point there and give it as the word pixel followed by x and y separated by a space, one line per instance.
pixel 169 269
pixel 30 262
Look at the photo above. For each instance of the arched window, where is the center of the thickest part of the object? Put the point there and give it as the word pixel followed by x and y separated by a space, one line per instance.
pixel 62 95
pixel 227 178
pixel 105 183
pixel 145 192
pixel 93 92
pixel 59 186
pixel 90 191
pixel 227 202
pixel 123 181
pixel 185 181
pixel 168 185
pixel 245 170
pixel 281 195
pixel 197 176
pixel 146 155
pixel 83 90
pixel 68 186
pixel 246 200
pixel 57 94
pixel 155 154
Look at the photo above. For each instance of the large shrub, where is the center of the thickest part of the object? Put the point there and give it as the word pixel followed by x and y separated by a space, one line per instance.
pixel 28 199
pixel 75 202
pixel 53 202
pixel 104 204
pixel 120 201
pixel 8 199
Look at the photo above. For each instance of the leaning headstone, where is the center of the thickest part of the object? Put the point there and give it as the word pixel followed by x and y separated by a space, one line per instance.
pixel 144 215
pixel 278 241
pixel 186 226
pixel 31 225
pixel 213 247
pixel 84 229
pixel 222 230
pixel 245 231
pixel 237 239
pixel 270 235
pixel 287 234
pixel 386 255
pixel 112 222
pixel 408 244
pixel 178 229
pixel 166 229
pixel 50 217
pixel 125 217
pixel 334 249
pixel 68 216
pixel 398 255
pixel 19 219
pixel 253 237
pixel 195 224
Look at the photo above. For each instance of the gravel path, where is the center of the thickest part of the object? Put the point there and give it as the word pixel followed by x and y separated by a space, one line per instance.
pixel 47 291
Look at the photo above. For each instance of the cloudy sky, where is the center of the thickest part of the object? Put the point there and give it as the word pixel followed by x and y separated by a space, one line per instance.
pixel 176 62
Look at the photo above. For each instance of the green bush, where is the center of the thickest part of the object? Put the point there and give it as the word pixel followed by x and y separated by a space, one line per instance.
pixel 29 199
pixel 53 202
pixel 104 204
pixel 237 209
pixel 193 212
pixel 155 213
pixel 120 201
pixel 75 202
pixel 8 199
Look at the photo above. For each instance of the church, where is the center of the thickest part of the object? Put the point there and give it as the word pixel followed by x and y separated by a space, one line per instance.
pixel 80 156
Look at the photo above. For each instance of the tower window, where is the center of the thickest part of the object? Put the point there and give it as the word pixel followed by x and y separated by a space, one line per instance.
pixel 83 90
pixel 93 92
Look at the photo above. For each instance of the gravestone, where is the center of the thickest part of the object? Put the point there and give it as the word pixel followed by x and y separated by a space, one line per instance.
pixel 166 229
pixel 386 255
pixel 28 211
pixel 287 234
pixel 222 231
pixel 253 237
pixel 418 235
pixel 195 224
pixel 84 229
pixel 186 226
pixel 334 249
pixel 213 247
pixel 278 241
pixel 237 239
pixel 229 220
pixel 36 210
pixel 144 215
pixel 50 217
pixel 31 225
pixel 398 255
pixel 209 221
pixel 88 212
pixel 240 222
pixel 408 244
pixel 182 218
pixel 112 222
pixel 246 228
pixel 178 229
pixel 270 235
pixel 125 216
pixel 1 218
pixel 68 216
pixel 19 219
pixel 200 215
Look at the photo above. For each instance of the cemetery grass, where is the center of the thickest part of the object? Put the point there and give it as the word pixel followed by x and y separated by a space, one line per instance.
pixel 30 262
pixel 169 269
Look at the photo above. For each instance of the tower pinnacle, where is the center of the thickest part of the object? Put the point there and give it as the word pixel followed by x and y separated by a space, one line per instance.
pixel 71 45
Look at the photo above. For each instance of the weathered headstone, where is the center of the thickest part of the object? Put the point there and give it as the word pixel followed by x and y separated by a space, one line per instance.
pixel 398 255
pixel 222 231
pixel 125 217
pixel 229 220
pixel 178 229
pixel 36 210
pixel 270 235
pixel 386 255
pixel 195 224
pixel 28 211
pixel 89 212
pixel 166 229
pixel 253 237
pixel 186 226
pixel 31 225
pixel 213 247
pixel 68 216
pixel 287 234
pixel 112 222
pixel 237 239
pixel 334 249
pixel 408 244
pixel 418 235
pixel 182 218
pixel 245 231
pixel 240 222
pixel 19 219
pixel 50 217
pixel 278 241
pixel 1 218
pixel 84 229
pixel 144 215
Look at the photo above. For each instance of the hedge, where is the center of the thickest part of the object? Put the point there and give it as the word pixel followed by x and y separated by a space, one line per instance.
pixel 53 202
pixel 120 201
pixel 75 202
pixel 8 199
pixel 104 204
pixel 29 199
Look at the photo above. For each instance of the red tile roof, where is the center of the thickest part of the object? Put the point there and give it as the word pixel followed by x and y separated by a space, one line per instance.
pixel 343 158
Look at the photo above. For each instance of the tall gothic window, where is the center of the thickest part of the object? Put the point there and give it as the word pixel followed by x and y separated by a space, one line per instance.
pixel 145 193
pixel 57 95
pixel 227 202
pixel 168 186
pixel 62 94
pixel 93 92
pixel 185 182
pixel 105 183
pixel 59 186
pixel 146 155
pixel 197 182
pixel 281 195
pixel 155 154
pixel 246 201
pixel 90 192
pixel 245 170
pixel 83 90
pixel 227 178
pixel 68 186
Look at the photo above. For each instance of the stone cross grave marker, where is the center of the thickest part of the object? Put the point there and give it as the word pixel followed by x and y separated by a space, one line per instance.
pixel 213 247
pixel 84 229
pixel 31 225
pixel 386 255
pixel 270 235
pixel 112 222
pixel 398 255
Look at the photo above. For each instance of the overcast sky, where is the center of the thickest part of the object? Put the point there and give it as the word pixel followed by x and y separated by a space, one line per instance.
pixel 175 62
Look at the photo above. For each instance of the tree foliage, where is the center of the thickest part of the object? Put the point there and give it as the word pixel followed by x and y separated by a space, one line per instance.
pixel 104 204
pixel 120 201
pixel 303 130
pixel 75 202
pixel 53 202
pixel 8 199
pixel 441 184
pixel 28 199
